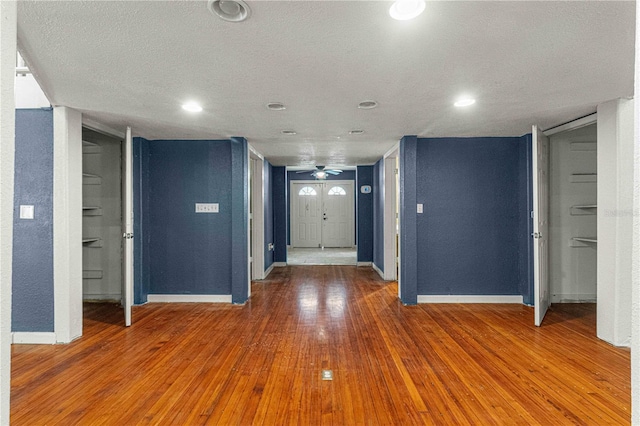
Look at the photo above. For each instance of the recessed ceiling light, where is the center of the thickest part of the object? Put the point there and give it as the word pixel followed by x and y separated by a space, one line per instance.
pixel 229 10
pixel 276 106
pixel 289 132
pixel 192 107
pixel 464 102
pixel 356 132
pixel 403 10
pixel 367 104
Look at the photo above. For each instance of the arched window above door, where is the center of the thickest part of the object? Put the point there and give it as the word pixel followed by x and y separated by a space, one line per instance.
pixel 307 190
pixel 337 190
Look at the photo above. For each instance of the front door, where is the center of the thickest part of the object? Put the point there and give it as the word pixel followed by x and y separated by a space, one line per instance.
pixel 322 214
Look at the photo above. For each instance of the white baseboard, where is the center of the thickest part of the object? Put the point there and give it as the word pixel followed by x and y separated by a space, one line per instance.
pixel 109 297
pixel 189 298
pixel 33 338
pixel 469 299
pixel 268 271
pixel 364 264
pixel 279 264
pixel 375 268
pixel 574 298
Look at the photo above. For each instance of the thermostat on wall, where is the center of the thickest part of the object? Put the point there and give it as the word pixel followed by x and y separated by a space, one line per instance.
pixel 365 189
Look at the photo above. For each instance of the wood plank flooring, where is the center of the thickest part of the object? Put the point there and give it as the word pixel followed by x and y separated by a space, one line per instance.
pixel 261 363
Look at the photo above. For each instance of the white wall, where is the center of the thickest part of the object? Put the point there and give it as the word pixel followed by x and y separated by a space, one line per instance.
pixel 67 223
pixel 8 17
pixel 635 265
pixel 615 220
pixel 28 93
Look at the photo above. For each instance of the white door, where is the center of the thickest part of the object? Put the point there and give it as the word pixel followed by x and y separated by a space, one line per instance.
pixel 306 215
pixel 337 214
pixel 540 156
pixel 127 294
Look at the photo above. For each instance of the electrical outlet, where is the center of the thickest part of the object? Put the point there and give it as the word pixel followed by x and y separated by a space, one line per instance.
pixel 207 208
pixel 420 208
pixel 27 212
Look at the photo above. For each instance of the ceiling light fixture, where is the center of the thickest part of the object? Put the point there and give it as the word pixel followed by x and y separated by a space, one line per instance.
pixel 403 10
pixel 320 174
pixel 464 102
pixel 356 132
pixel 276 106
pixel 192 107
pixel 367 104
pixel 229 10
pixel 289 132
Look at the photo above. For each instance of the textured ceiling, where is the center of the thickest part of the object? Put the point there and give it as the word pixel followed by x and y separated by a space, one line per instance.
pixel 135 62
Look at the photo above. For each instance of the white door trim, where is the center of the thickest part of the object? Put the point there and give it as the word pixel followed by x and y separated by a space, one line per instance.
pixel 317 182
pixel 67 223
pixel 391 231
pixel 389 218
pixel 257 202
pixel 127 267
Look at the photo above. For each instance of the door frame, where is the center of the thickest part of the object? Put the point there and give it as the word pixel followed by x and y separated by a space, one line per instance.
pixel 256 216
pixel 316 182
pixel 391 231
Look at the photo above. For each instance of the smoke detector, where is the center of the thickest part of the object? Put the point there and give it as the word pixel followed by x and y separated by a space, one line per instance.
pixel 229 10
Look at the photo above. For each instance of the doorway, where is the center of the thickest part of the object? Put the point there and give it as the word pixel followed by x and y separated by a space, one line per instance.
pixel 322 214
pixel 102 250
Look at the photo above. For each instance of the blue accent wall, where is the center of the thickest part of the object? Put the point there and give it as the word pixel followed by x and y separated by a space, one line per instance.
pixel 279 200
pixel 268 215
pixel 240 220
pixel 345 175
pixel 378 214
pixel 469 239
pixel 408 220
pixel 364 214
pixel 525 224
pixel 141 240
pixel 179 251
pixel 33 292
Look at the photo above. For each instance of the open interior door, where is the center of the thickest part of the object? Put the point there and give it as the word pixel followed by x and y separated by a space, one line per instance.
pixel 540 156
pixel 127 293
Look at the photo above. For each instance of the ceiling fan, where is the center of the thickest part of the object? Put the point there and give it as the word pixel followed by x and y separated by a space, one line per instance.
pixel 321 173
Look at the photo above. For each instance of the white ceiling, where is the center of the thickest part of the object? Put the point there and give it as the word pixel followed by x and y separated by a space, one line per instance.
pixel 135 62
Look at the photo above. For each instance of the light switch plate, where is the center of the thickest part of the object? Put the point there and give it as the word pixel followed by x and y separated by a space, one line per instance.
pixel 420 209
pixel 207 207
pixel 27 212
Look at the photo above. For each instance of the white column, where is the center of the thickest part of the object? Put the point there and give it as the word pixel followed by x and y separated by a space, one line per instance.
pixel 635 266
pixel 8 19
pixel 67 223
pixel 615 220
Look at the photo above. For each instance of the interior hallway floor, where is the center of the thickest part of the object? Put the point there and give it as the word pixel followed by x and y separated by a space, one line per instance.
pixel 262 362
pixel 322 256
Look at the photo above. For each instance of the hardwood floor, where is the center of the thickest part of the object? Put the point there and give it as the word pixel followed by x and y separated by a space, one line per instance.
pixel 190 364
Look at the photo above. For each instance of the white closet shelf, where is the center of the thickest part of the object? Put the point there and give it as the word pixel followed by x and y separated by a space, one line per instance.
pixel 92 242
pixel 583 241
pixel 583 210
pixel 584 177
pixel 90 148
pixel 89 179
pixel 91 211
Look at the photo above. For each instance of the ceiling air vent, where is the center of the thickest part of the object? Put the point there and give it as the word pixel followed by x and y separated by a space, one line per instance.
pixel 229 10
pixel 367 104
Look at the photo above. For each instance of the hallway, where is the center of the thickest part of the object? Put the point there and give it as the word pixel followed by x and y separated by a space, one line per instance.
pixel 261 363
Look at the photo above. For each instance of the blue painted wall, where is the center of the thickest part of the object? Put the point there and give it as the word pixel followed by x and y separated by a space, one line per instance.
pixel 280 203
pixel 345 175
pixel 364 214
pixel 378 214
pixel 268 215
pixel 469 237
pixel 32 298
pixel 525 224
pixel 180 251
pixel 408 226
pixel 141 240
